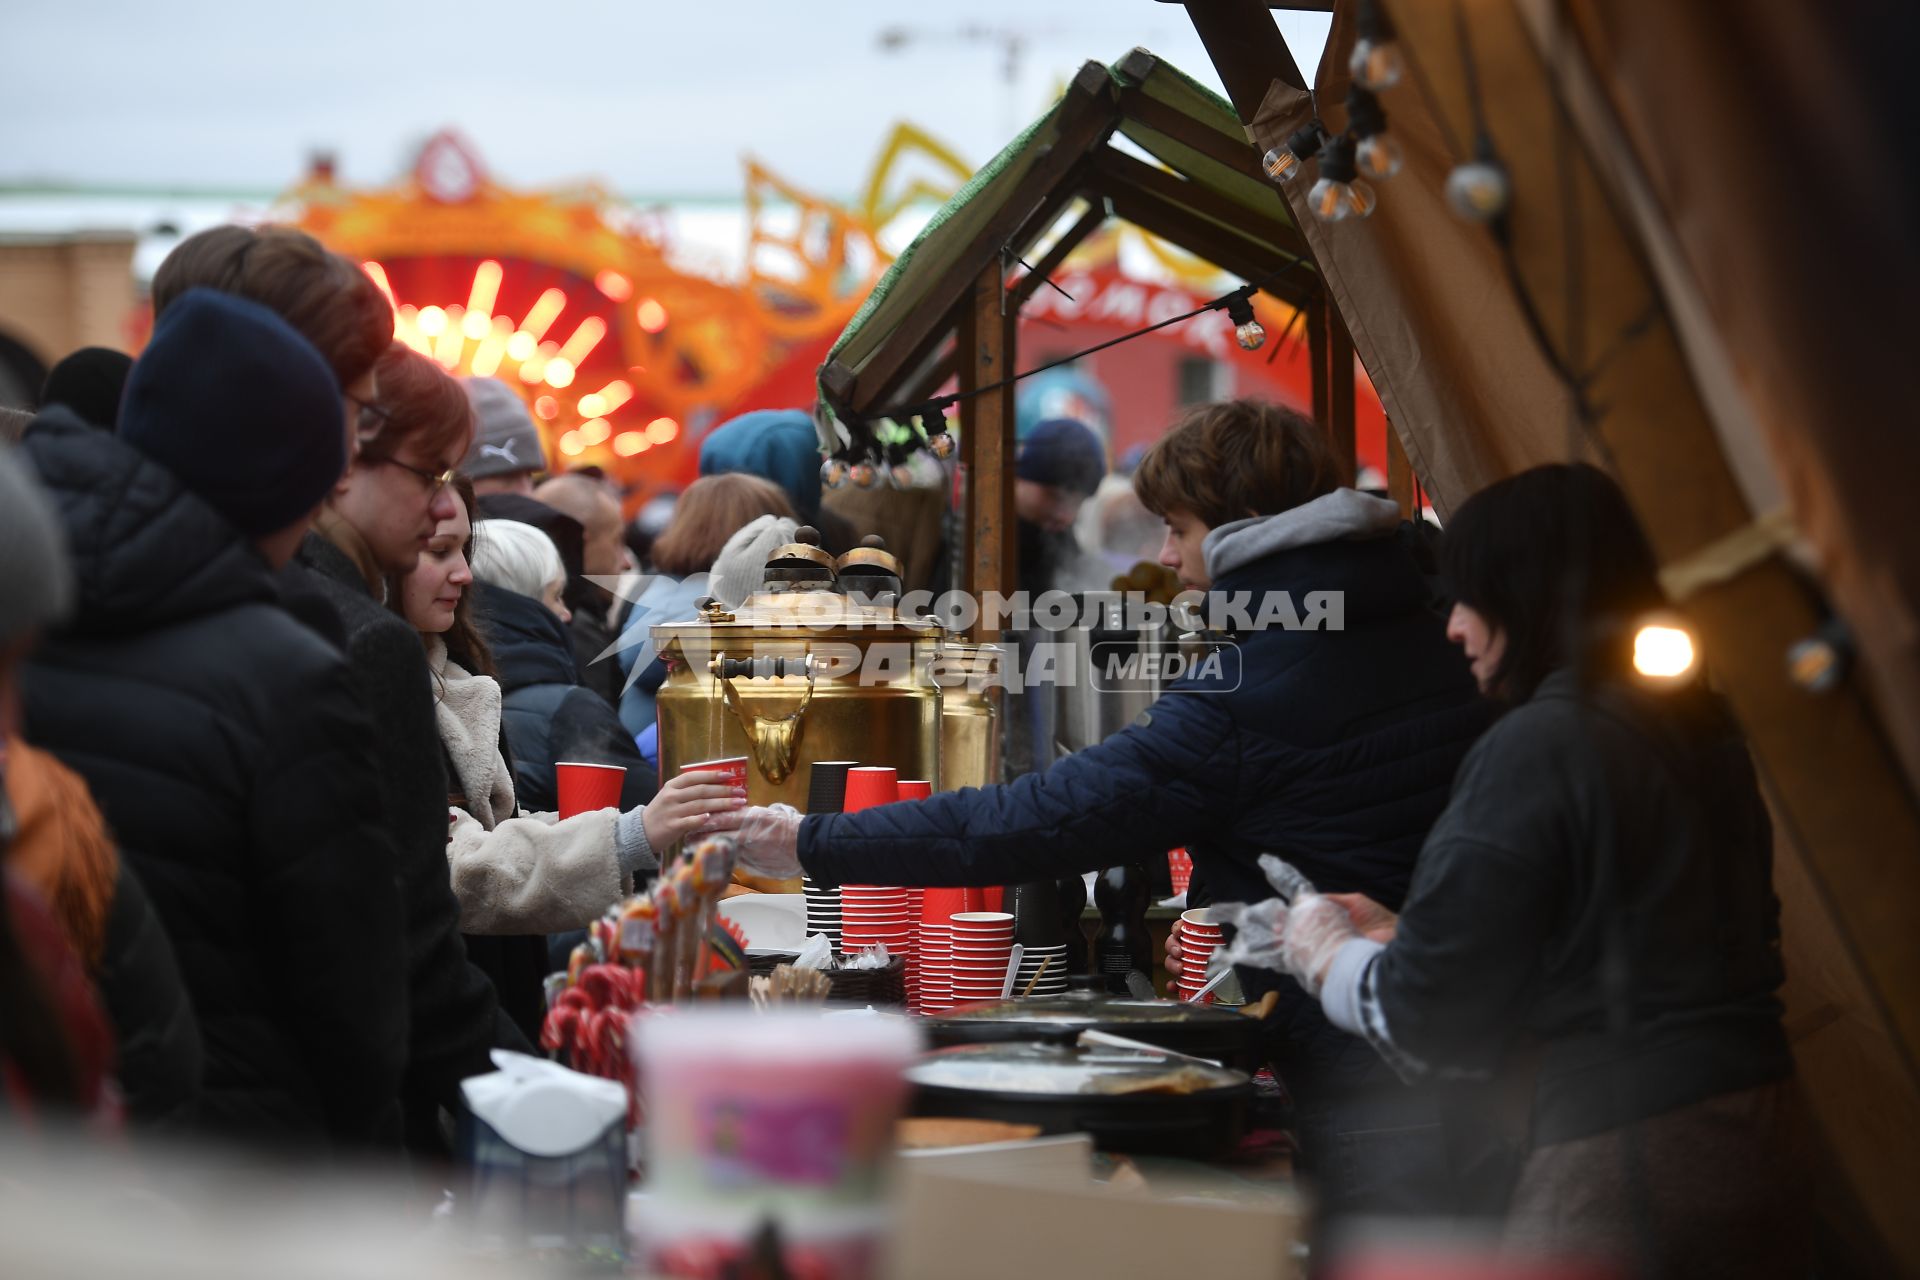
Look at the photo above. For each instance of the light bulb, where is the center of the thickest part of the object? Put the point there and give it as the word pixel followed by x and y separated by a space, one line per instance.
pixel 1285 161
pixel 1335 201
pixel 1479 190
pixel 1662 651
pixel 833 473
pixel 1378 156
pixel 1376 64
pixel 1281 164
pixel 863 475
pixel 940 445
pixel 901 474
pixel 1251 335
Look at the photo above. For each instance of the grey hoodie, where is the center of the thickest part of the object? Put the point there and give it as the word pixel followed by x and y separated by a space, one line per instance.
pixel 1344 513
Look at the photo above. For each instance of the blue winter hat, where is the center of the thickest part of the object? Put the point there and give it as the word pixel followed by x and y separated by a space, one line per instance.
pixel 241 408
pixel 1063 453
pixel 780 445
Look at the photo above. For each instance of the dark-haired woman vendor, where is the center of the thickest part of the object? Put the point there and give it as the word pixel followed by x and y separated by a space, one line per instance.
pixel 1592 918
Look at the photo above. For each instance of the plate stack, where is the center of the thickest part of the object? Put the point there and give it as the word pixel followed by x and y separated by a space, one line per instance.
pixel 823 911
pixel 1045 969
pixel 826 793
pixel 982 946
pixel 1200 936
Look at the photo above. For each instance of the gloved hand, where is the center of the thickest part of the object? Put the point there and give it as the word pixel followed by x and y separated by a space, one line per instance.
pixel 1299 939
pixel 769 840
pixel 1316 927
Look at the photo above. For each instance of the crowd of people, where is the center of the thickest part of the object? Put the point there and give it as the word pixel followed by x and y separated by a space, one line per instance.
pixel 293 633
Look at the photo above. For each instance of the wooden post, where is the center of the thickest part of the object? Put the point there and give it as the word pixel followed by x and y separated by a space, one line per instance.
pixel 1340 391
pixel 989 526
pixel 1317 359
pixel 1400 479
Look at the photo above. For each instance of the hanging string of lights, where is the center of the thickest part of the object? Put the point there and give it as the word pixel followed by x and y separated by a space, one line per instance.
pixel 923 425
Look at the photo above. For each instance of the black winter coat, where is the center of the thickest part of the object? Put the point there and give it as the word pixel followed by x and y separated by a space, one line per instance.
pixel 547 715
pixel 1333 749
pixel 1606 862
pixel 224 745
pixel 160 1058
pixel 456 1020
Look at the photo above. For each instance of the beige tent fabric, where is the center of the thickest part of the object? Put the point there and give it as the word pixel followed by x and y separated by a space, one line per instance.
pixel 1423 294
pixel 1435 314
pixel 1800 308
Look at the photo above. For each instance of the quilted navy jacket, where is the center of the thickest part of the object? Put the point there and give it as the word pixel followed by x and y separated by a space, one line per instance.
pixel 1335 751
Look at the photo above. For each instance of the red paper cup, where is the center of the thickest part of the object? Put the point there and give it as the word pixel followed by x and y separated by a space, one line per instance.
pixel 972 919
pixel 1180 869
pixel 586 787
pixel 914 789
pixel 870 785
pixel 734 767
pixel 939 905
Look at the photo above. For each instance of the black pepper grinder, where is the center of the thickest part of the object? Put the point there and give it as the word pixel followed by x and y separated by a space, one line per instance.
pixel 1124 946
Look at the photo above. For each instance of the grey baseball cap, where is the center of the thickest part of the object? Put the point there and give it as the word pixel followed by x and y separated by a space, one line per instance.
pixel 505 439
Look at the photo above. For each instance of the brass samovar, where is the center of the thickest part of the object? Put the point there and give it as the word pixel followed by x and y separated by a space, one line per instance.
pixel 818 664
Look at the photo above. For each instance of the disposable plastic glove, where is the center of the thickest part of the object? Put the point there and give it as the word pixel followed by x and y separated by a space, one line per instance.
pixel 1316 928
pixel 1299 939
pixel 769 840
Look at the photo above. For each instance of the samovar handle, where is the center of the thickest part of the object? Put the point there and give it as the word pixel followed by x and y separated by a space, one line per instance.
pixel 775 742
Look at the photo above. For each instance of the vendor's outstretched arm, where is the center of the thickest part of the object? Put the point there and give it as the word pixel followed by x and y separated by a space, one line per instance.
pixel 1149 788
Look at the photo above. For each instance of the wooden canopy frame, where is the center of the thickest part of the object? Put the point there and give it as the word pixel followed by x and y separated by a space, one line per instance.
pixel 1207 196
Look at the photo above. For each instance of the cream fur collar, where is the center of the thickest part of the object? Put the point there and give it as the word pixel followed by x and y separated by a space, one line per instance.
pixel 467 710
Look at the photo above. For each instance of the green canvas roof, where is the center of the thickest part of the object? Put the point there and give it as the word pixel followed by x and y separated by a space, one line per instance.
pixel 1205 193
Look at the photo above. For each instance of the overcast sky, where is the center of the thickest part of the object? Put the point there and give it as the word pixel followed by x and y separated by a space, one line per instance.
pixel 653 97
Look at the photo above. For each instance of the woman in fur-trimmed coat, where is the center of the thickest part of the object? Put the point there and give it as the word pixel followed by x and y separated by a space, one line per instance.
pixel 521 876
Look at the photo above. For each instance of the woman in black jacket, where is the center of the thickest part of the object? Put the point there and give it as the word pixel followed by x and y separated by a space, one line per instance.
pixel 1593 916
pixel 218 734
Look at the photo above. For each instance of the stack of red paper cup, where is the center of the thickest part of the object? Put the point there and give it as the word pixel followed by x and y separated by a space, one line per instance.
pixel 914 789
pixel 876 915
pixel 933 952
pixel 982 948
pixel 1199 938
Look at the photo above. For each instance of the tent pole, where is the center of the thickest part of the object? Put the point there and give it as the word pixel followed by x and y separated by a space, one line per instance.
pixel 988 441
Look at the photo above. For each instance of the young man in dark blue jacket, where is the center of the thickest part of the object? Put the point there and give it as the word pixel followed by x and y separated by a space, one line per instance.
pixel 1330 740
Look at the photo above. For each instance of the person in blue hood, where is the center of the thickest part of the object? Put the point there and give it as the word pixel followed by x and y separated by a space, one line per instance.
pixel 1330 740
pixel 780 445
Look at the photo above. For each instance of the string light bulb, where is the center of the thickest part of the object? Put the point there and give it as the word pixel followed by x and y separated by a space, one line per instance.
pixel 833 473
pixel 1663 650
pixel 1340 194
pixel 1285 161
pixel 1376 62
pixel 1247 330
pixel 1377 155
pixel 933 429
pixel 1480 190
pixel 863 474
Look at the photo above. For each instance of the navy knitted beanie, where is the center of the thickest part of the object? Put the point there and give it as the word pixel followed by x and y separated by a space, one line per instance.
pixel 241 408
